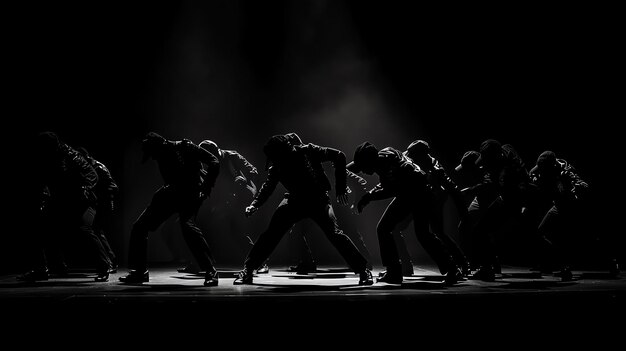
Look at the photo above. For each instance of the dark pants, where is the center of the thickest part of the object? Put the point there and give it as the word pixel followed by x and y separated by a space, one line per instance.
pixel 566 240
pixel 63 218
pixel 435 219
pixel 164 204
pixel 475 211
pixel 299 244
pixel 288 213
pixel 303 250
pixel 484 222
pixel 396 214
pixel 102 225
pixel 552 231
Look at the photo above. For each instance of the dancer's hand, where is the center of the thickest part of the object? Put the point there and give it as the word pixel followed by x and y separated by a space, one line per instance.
pixel 250 210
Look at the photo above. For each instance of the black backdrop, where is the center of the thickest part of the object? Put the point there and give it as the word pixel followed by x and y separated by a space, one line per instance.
pixel 338 72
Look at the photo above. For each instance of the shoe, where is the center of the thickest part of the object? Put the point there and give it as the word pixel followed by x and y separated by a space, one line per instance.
pixel 407 269
pixel 134 276
pixel 61 271
pixel 264 269
pixel 304 268
pixel 546 269
pixel 466 270
pixel 497 268
pixel 454 276
pixel 243 277
pixel 565 274
pixel 211 278
pixel 34 275
pixel 485 274
pixel 390 276
pixel 191 269
pixel 542 268
pixel 365 277
pixel 113 269
pixel 102 277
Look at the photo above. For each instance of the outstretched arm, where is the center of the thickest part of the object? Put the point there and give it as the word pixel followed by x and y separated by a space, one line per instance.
pixel 264 193
pixel 81 170
pixel 338 159
pixel 355 179
pixel 245 174
pixel 379 193
pixel 105 177
pixel 241 164
pixel 376 193
pixel 212 168
pixel 83 177
pixel 578 188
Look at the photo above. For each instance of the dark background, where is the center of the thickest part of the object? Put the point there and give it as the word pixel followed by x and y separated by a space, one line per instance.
pixel 101 75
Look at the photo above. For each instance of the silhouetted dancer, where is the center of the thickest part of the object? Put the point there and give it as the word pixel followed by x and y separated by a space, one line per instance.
pixel 356 187
pixel 239 188
pixel 469 176
pixel 501 194
pixel 106 191
pixel 403 181
pixel 299 169
pixel 186 185
pixel 443 188
pixel 560 195
pixel 67 182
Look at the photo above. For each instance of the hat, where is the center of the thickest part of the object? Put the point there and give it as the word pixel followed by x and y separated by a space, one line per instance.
pixel 48 141
pixel 276 143
pixel 82 150
pixel 363 154
pixel 211 147
pixel 294 138
pixel 468 160
pixel 149 145
pixel 418 148
pixel 276 147
pixel 489 150
pixel 546 160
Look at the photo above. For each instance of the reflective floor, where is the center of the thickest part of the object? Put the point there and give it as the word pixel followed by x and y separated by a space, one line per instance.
pixel 519 295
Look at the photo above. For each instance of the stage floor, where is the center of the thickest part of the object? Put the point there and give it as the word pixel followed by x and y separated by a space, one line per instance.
pixel 166 285
pixel 331 293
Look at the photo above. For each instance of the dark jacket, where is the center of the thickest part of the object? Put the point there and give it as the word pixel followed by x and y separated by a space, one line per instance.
pixel 68 177
pixel 106 188
pixel 180 164
pixel 563 189
pixel 508 178
pixel 237 165
pixel 398 176
pixel 303 176
pixel 437 176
